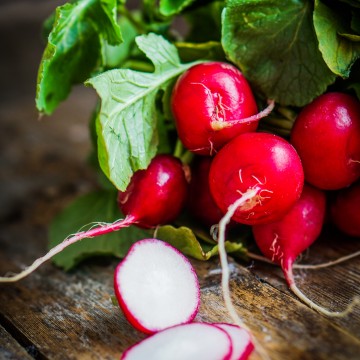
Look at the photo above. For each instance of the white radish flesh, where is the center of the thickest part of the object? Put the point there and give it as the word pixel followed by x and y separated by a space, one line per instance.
pixel 156 286
pixel 241 341
pixel 195 341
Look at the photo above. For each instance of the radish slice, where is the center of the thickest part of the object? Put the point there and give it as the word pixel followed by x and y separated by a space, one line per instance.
pixel 156 286
pixel 193 341
pixel 241 341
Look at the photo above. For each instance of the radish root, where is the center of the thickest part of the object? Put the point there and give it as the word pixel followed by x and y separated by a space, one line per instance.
pixel 102 229
pixel 311 304
pixel 225 273
pixel 307 266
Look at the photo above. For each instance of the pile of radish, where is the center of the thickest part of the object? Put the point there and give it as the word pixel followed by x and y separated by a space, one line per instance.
pixel 277 186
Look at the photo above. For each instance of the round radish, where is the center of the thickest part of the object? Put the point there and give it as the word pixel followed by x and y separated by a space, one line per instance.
pixel 262 164
pixel 211 103
pixel 154 196
pixel 194 341
pixel 156 286
pixel 326 135
pixel 345 210
pixel 241 341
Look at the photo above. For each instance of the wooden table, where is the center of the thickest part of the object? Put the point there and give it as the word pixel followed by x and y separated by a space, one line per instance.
pixel 57 315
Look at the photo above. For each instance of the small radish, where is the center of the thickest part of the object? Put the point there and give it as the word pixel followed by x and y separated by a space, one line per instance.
pixel 326 134
pixel 284 240
pixel 241 341
pixel 345 210
pixel 212 102
pixel 195 341
pixel 156 286
pixel 154 196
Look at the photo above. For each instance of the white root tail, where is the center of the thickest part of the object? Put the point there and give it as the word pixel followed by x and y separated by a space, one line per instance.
pixel 318 308
pixel 308 266
pixel 97 231
pixel 225 273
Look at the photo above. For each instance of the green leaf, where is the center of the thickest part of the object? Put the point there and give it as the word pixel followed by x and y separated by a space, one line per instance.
pixel 274 43
pixel 184 239
pixel 88 210
pixel 127 126
pixel 339 52
pixel 211 50
pixel 74 48
pixel 173 7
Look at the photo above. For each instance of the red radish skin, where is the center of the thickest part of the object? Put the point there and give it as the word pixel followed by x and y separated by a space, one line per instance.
pixel 326 135
pixel 211 103
pixel 241 341
pixel 345 210
pixel 156 286
pixel 193 341
pixel 284 240
pixel 264 164
pixel 154 196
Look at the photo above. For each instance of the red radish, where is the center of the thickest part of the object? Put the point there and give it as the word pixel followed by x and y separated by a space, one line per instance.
pixel 326 135
pixel 201 205
pixel 156 286
pixel 212 102
pixel 241 341
pixel 345 210
pixel 154 196
pixel 284 240
pixel 264 167
pixel 193 341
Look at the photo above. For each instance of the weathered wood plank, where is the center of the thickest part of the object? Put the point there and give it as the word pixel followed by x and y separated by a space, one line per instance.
pixel 10 349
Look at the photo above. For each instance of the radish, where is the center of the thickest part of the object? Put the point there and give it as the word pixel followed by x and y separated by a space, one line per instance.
pixel 284 240
pixel 195 341
pixel 156 286
pixel 262 169
pixel 154 196
pixel 212 102
pixel 345 210
pixel 326 135
pixel 241 341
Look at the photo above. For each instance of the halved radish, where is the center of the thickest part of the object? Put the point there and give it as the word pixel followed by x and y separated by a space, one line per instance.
pixel 241 341
pixel 195 341
pixel 156 286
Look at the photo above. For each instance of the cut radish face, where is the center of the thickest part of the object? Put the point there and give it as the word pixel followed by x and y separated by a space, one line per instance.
pixel 241 341
pixel 195 341
pixel 156 286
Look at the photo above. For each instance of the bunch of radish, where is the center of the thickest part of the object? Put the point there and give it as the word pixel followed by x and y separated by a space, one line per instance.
pixel 240 175
pixel 276 186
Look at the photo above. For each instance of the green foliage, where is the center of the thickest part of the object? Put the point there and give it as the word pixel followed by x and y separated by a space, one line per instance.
pixel 128 121
pixel 74 48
